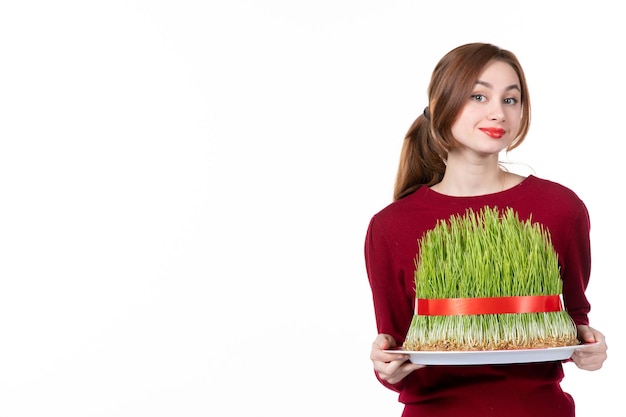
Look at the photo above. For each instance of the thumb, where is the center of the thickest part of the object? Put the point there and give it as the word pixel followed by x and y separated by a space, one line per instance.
pixel 585 334
pixel 385 341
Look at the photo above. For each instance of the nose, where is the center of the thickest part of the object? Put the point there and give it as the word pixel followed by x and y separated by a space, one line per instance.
pixel 496 112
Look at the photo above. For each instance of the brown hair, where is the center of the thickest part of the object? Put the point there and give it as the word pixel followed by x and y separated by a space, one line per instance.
pixel 428 140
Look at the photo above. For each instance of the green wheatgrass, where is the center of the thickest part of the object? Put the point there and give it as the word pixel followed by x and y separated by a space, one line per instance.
pixel 488 253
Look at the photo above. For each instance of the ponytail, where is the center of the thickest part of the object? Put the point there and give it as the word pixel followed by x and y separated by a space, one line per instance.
pixel 421 159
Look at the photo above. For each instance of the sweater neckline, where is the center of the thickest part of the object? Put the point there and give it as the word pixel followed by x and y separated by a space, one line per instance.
pixel 509 193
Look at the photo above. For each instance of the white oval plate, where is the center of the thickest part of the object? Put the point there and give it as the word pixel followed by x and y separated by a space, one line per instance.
pixel 490 357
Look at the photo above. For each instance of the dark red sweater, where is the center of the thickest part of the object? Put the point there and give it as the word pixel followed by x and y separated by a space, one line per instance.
pixel 521 390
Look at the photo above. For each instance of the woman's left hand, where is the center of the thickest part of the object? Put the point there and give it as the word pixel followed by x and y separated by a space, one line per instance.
pixel 592 357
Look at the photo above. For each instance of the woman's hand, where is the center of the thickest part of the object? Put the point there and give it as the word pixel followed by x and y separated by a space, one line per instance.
pixel 391 367
pixel 590 358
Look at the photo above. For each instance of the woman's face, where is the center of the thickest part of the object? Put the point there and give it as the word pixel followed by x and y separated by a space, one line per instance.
pixel 491 117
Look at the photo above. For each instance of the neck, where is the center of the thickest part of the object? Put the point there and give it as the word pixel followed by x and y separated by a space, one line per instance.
pixel 471 180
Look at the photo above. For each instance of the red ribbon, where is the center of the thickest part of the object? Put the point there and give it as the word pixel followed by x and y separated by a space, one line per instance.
pixel 488 305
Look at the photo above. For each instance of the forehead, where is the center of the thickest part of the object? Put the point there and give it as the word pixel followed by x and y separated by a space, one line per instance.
pixel 499 74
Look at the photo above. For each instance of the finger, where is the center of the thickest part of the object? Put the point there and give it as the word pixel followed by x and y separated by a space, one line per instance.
pixel 394 374
pixel 589 360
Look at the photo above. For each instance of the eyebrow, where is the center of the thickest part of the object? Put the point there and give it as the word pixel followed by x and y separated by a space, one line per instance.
pixel 486 84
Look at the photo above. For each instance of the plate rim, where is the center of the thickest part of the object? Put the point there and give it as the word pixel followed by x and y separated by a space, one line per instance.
pixel 464 352
pixel 490 357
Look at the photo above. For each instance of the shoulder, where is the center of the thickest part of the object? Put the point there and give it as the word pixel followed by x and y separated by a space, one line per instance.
pixel 552 190
pixel 402 207
pixel 554 200
pixel 406 217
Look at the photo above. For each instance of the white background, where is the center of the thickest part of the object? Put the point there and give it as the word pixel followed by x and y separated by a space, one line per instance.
pixel 185 188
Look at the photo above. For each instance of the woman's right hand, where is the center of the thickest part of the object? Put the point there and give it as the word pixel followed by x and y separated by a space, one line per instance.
pixel 390 367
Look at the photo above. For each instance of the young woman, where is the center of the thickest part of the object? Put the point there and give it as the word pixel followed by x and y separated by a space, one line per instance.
pixel 478 106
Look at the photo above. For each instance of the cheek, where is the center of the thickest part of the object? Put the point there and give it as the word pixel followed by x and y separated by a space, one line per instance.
pixel 514 117
pixel 457 131
pixel 515 124
pixel 461 124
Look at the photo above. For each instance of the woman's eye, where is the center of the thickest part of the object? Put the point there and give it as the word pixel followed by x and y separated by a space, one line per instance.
pixel 478 97
pixel 511 101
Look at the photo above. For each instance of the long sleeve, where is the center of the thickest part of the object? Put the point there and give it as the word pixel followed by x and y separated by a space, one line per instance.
pixel 576 267
pixel 391 304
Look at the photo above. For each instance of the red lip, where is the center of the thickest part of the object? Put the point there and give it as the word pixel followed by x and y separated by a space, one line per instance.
pixel 493 132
